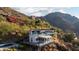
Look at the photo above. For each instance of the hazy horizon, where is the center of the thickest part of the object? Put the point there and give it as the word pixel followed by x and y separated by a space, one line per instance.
pixel 42 11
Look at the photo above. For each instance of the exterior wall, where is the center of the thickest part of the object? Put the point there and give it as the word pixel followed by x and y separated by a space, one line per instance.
pixel 32 37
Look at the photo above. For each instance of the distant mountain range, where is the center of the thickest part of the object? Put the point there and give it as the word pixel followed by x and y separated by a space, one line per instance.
pixel 64 21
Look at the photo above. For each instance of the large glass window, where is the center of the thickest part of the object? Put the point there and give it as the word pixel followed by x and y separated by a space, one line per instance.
pixel 41 39
pixel 34 32
pixel 45 32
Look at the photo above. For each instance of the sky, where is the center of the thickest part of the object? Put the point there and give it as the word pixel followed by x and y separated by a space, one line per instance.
pixel 42 11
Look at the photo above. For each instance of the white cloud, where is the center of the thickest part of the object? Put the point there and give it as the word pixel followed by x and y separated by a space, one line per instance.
pixel 34 11
pixel 39 11
pixel 61 10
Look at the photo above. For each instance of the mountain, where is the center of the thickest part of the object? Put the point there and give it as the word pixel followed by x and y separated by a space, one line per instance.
pixel 15 25
pixel 64 21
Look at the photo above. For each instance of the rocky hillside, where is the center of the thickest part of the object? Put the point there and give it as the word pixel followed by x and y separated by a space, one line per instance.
pixel 14 25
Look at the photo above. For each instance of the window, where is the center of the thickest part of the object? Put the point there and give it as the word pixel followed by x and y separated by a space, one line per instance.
pixel 34 32
pixel 38 32
pixel 41 39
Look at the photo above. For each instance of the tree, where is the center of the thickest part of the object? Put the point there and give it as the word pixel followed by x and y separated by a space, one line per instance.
pixel 68 37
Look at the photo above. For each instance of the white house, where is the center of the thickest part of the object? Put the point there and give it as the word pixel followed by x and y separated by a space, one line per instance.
pixel 40 37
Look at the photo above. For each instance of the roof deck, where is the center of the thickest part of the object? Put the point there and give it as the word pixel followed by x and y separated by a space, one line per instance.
pixel 42 31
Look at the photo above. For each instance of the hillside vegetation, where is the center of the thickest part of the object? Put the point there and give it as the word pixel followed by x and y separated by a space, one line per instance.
pixel 15 25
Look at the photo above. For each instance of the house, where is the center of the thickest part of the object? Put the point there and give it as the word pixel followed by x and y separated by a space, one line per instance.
pixel 75 36
pixel 40 37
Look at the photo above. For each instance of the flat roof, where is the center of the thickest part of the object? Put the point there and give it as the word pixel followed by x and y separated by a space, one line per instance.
pixel 41 29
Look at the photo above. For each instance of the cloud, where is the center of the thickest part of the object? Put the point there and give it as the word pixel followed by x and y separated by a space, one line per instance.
pixel 62 11
pixel 36 11
pixel 39 11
